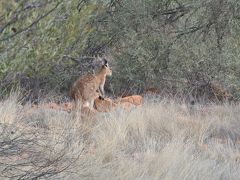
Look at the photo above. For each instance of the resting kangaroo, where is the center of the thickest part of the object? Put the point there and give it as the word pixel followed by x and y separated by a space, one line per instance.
pixel 85 89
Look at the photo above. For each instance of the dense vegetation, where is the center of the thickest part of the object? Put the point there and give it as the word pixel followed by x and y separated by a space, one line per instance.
pixel 178 45
pixel 181 47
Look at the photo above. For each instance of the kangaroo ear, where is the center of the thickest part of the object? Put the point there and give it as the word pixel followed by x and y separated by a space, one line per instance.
pixel 105 62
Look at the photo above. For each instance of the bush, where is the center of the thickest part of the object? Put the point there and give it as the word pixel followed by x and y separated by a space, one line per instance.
pixel 167 44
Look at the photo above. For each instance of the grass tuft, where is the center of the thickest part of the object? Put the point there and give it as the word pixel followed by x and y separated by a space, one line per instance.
pixel 157 140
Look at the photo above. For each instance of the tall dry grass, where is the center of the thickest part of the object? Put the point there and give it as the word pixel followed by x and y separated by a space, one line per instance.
pixel 158 140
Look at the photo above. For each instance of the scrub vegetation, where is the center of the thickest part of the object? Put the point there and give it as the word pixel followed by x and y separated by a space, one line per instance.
pixel 184 53
pixel 179 46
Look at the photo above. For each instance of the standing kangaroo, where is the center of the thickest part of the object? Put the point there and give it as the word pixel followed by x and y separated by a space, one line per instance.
pixel 85 89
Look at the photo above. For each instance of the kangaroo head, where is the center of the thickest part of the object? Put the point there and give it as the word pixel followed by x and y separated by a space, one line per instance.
pixel 106 67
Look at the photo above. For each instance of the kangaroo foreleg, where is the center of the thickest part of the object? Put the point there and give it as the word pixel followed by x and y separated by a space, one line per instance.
pixel 101 90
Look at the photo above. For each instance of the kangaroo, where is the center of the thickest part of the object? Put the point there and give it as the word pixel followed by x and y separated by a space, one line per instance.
pixel 89 87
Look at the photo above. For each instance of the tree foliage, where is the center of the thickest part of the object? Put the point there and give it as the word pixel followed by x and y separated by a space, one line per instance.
pixel 179 45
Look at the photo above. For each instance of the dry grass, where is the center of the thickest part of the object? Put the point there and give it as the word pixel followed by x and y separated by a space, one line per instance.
pixel 158 140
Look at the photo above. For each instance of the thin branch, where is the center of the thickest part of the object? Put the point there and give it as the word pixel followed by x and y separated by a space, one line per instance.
pixel 104 45
pixel 78 60
pixel 189 31
pixel 80 5
pixel 32 24
pixel 15 15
